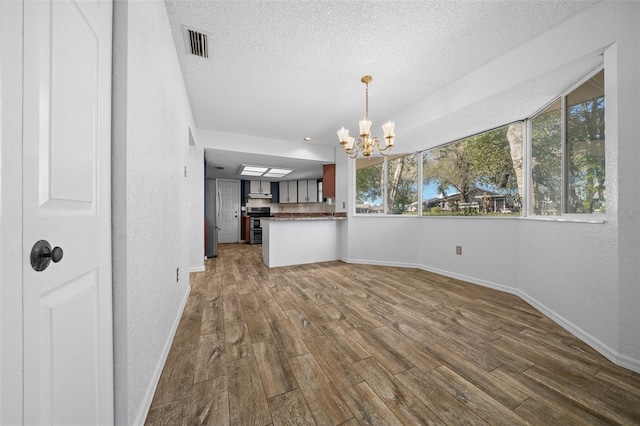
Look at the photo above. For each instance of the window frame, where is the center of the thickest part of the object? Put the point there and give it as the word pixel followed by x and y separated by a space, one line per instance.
pixel 527 149
pixel 563 216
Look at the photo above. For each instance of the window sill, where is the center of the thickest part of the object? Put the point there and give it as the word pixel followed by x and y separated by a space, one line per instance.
pixel 568 218
pixel 595 219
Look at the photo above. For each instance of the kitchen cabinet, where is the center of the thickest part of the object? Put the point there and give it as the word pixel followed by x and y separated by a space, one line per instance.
pixel 329 180
pixel 288 191
pixel 308 191
pixel 260 187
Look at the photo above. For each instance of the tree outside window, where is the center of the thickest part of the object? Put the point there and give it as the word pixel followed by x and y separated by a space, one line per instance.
pixel 478 175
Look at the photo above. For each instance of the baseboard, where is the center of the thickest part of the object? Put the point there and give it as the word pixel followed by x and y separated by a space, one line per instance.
pixel 380 263
pixel 197 269
pixel 613 356
pixel 155 379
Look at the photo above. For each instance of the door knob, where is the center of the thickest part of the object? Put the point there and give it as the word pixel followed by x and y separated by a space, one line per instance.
pixel 42 255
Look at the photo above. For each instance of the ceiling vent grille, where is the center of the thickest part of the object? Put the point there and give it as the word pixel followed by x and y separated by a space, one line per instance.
pixel 197 42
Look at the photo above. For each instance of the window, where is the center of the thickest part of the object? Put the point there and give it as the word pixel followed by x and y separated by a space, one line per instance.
pixel 484 174
pixel 369 183
pixel 546 161
pixel 478 175
pixel 402 184
pixel 570 180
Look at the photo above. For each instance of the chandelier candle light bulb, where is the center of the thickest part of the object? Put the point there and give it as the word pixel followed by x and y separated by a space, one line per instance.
pixel 366 143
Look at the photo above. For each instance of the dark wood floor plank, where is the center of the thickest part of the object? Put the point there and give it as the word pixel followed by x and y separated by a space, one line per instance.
pixel 285 301
pixel 237 340
pixel 168 415
pixel 385 353
pixel 546 396
pixel 277 377
pixel 290 342
pixel 232 310
pixel 273 312
pixel 258 326
pixel 264 296
pixel 412 353
pixel 484 406
pixel 249 302
pixel 402 402
pixel 305 326
pixel 209 358
pixel 537 413
pixel 290 409
pixel 209 403
pixel 350 349
pixel 581 395
pixel 212 317
pixel 176 379
pixel 323 400
pixel 448 408
pixel 499 390
pixel 336 367
pixel 455 339
pixel 247 402
pixel 572 359
pixel 367 408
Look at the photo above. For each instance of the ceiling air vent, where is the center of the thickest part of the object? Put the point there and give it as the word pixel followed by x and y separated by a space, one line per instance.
pixel 197 42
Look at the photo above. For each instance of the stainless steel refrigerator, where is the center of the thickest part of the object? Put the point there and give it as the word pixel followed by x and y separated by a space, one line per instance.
pixel 211 217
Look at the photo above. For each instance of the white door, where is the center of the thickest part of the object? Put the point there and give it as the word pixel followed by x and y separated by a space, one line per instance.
pixel 10 213
pixel 68 365
pixel 229 217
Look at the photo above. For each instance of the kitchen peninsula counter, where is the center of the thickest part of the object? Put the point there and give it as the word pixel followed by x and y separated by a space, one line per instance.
pixel 295 239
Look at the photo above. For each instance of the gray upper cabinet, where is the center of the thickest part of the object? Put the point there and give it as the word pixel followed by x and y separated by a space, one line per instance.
pixel 260 187
pixel 308 191
pixel 289 191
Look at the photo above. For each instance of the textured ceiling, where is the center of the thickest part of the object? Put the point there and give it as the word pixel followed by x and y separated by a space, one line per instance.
pixel 290 69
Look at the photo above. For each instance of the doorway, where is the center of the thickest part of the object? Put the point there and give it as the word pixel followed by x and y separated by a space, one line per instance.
pixel 229 218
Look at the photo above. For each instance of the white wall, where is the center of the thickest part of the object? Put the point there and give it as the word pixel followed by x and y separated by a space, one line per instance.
pixel 196 209
pixel 584 276
pixel 151 121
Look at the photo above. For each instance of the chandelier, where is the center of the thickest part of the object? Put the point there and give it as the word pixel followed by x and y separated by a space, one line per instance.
pixel 366 143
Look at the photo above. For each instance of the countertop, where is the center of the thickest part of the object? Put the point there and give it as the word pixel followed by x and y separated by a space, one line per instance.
pixel 306 216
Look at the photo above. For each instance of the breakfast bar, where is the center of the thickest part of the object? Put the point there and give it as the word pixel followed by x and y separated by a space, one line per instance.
pixel 296 240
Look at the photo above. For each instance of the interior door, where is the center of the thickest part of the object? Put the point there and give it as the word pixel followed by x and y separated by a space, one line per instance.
pixel 229 213
pixel 66 201
pixel 10 213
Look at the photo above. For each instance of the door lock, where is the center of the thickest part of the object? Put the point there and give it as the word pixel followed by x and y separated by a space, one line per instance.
pixel 42 255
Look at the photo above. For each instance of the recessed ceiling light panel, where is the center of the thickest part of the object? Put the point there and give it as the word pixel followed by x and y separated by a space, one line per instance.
pixel 273 172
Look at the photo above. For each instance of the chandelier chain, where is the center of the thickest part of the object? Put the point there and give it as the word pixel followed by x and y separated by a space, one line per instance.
pixel 366 111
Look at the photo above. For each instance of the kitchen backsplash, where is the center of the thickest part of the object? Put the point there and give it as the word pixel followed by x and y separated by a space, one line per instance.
pixel 292 207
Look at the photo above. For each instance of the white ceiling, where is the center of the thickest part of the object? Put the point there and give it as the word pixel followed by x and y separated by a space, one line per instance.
pixel 290 69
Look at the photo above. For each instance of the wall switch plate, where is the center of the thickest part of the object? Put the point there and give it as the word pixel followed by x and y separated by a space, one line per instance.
pixel 459 250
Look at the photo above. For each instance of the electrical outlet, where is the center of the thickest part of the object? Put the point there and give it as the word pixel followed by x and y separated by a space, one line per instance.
pixel 344 205
pixel 459 250
pixel 177 274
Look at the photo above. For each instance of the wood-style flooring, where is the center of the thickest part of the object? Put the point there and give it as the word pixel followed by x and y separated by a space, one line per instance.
pixel 335 343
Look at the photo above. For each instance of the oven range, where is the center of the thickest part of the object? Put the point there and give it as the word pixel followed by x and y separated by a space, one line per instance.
pixel 255 231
